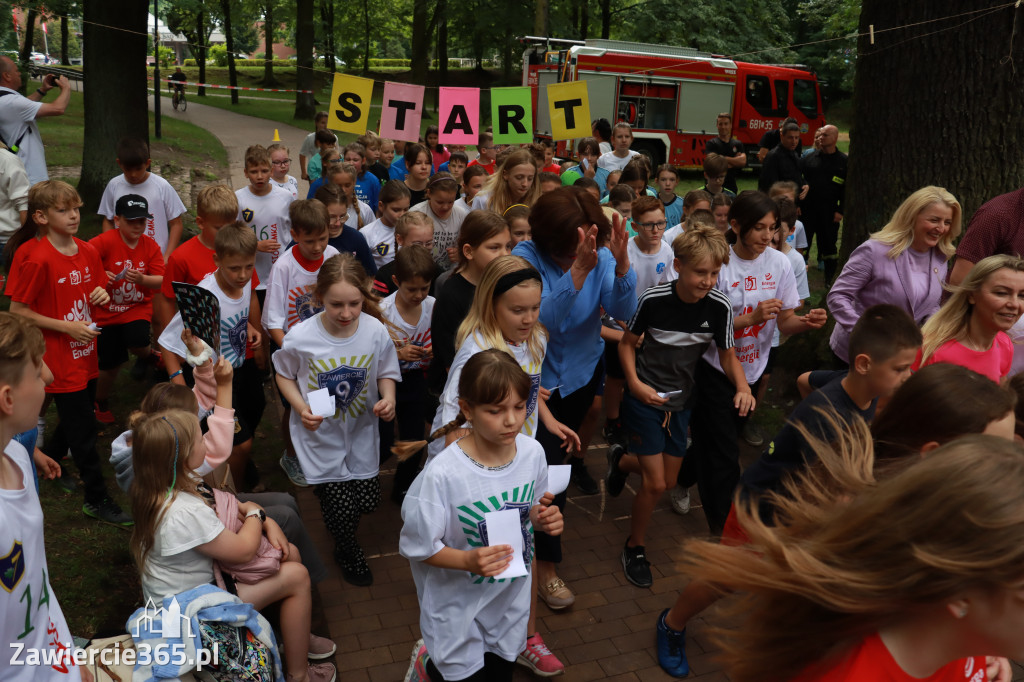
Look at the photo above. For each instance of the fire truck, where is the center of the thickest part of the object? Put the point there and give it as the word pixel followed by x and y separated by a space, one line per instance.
pixel 671 96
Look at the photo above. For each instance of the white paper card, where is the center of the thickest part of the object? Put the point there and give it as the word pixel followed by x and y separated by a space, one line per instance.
pixel 669 394
pixel 558 478
pixel 503 528
pixel 92 326
pixel 321 402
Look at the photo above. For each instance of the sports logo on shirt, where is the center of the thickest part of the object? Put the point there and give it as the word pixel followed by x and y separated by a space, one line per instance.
pixel 233 338
pixel 12 567
pixel 750 283
pixel 346 379
pixel 661 268
pixel 382 249
pixel 531 403
pixel 247 215
pixel 76 277
pixel 301 305
pixel 471 517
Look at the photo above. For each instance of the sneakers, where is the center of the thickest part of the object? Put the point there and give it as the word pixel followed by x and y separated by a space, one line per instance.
pixel 581 478
pixel 615 479
pixel 538 658
pixel 107 511
pixel 320 647
pixel 358 574
pixel 672 649
pixel 680 498
pixel 556 595
pixel 636 566
pixel 752 435
pixel 293 469
pixel 418 664
pixel 322 672
pixel 103 416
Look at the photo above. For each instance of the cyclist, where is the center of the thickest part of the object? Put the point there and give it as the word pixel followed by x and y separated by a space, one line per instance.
pixel 179 88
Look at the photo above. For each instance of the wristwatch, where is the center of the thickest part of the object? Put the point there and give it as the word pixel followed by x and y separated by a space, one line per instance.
pixel 258 513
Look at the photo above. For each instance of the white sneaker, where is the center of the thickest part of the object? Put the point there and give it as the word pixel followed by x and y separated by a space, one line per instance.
pixel 680 498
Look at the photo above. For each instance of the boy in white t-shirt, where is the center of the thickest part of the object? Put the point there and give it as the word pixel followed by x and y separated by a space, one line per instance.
pixel 263 206
pixel 280 163
pixel 290 298
pixel 409 309
pixel 30 616
pixel 165 206
pixel 380 234
pixel 620 155
pixel 797 236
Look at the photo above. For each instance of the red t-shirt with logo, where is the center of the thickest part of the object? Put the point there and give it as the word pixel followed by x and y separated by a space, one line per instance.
pixel 871 660
pixel 188 263
pixel 58 286
pixel 129 301
pixel 20 256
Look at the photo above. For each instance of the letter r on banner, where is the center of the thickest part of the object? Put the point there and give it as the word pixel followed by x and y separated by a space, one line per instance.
pixel 349 109
pixel 569 107
pixel 458 115
pixel 401 111
pixel 512 115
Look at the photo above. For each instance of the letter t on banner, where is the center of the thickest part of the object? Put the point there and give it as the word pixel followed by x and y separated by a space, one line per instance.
pixel 569 107
pixel 459 115
pixel 512 115
pixel 350 104
pixel 401 111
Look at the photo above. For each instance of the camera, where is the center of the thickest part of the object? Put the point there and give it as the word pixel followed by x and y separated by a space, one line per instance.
pixel 50 80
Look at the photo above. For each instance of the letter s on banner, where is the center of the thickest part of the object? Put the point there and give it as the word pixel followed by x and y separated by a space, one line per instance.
pixel 349 109
pixel 401 111
pixel 569 107
pixel 459 115
pixel 512 115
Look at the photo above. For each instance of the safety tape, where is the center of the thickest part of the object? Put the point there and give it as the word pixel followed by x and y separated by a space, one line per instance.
pixel 230 87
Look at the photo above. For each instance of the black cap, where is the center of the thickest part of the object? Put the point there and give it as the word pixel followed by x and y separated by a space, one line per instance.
pixel 132 207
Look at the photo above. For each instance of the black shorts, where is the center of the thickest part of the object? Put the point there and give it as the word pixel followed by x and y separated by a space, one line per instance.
pixel 770 365
pixel 115 339
pixel 248 399
pixel 612 364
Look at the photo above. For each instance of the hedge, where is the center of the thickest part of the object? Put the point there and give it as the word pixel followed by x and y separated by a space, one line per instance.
pixel 249 62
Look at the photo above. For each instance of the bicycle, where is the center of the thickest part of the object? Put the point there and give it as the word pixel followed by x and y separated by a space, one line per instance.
pixel 178 99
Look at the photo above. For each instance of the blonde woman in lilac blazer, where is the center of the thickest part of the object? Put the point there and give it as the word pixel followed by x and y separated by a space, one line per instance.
pixel 904 264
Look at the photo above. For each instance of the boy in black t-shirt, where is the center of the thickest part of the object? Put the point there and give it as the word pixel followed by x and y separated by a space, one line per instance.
pixel 677 321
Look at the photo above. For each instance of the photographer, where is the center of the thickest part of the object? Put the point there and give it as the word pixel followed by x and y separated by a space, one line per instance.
pixel 18 116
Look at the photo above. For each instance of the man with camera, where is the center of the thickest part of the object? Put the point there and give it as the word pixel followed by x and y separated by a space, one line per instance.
pixel 18 116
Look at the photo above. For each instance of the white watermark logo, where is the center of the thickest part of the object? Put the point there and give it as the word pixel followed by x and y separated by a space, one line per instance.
pixel 161 622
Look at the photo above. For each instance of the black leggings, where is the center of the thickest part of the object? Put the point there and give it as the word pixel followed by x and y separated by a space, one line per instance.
pixel 496 669
pixel 342 504
pixel 76 431
pixel 570 410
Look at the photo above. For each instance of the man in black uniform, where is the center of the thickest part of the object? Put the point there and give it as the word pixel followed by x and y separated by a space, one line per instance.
pixel 728 146
pixel 782 163
pixel 822 208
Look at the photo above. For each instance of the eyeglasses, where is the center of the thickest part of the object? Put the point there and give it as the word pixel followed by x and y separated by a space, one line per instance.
pixel 651 227
pixel 281 163
pixel 333 161
pixel 426 245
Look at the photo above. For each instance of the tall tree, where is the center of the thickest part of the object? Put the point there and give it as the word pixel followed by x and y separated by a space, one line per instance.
pixel 26 48
pixel 191 18
pixel 423 28
pixel 115 47
pixel 924 112
pixel 268 38
pixel 229 42
pixel 305 107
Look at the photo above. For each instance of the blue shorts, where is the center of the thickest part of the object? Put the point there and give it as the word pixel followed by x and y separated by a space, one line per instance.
pixel 649 431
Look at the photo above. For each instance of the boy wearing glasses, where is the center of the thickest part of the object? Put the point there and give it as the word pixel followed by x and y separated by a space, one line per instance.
pixel 412 229
pixel 280 164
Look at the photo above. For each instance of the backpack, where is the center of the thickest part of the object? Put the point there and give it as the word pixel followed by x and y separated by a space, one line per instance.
pixel 14 147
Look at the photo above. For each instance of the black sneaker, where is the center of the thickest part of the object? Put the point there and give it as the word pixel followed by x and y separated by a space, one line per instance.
pixel 615 478
pixel 358 573
pixel 636 566
pixel 581 478
pixel 108 512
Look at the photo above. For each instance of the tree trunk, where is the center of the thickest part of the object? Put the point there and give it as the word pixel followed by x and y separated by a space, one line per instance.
pixel 229 43
pixel 64 41
pixel 420 42
pixel 268 36
pixel 204 38
pixel 26 48
pixel 305 107
pixel 606 18
pixel 330 37
pixel 366 37
pixel 115 46
pixel 442 42
pixel 923 113
pixel 540 18
pixel 584 19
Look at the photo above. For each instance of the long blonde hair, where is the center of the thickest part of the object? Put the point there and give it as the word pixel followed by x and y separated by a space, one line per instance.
pixel 481 320
pixel 953 317
pixel 500 198
pixel 843 570
pixel 899 231
pixel 161 445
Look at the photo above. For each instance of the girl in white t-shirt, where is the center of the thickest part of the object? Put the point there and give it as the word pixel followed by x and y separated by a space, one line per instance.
pixel 380 234
pixel 474 625
pixel 279 165
pixel 348 350
pixel 446 214
pixel 177 536
pixel 759 282
pixel 515 182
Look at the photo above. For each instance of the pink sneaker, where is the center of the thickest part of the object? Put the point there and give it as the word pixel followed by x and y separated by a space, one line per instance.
pixel 321 672
pixel 418 664
pixel 538 658
pixel 320 647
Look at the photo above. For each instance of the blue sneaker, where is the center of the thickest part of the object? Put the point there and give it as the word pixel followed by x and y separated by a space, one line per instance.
pixel 672 649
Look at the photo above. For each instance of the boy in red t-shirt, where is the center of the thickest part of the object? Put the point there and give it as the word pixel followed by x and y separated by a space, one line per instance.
pixel 58 286
pixel 135 266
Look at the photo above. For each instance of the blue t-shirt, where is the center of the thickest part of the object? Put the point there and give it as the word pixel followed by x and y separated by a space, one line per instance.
pixel 368 190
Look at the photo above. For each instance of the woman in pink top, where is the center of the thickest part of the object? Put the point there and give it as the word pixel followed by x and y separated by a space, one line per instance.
pixel 970 329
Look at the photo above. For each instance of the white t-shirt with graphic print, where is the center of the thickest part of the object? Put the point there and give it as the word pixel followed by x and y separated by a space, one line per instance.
pixel 651 268
pixel 234 321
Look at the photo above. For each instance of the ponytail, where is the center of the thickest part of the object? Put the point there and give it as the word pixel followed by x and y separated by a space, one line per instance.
pixel 404 449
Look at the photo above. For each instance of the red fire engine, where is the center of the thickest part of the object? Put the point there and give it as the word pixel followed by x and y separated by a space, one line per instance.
pixel 671 96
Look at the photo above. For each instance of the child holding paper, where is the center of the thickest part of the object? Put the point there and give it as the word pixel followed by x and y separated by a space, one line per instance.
pixel 474 626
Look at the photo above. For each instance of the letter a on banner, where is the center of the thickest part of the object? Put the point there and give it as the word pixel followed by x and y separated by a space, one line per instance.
pixel 401 111
pixel 459 115
pixel 350 104
pixel 569 107
pixel 512 115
